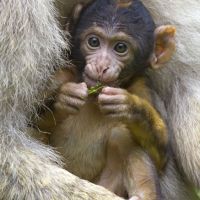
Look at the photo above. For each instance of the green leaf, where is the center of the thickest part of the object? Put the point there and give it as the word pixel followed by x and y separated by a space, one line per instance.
pixel 95 89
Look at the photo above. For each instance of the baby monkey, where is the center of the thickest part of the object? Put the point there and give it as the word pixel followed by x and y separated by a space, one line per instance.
pixel 115 138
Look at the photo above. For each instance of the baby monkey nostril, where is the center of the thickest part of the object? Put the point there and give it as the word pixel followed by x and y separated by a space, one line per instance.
pixel 104 70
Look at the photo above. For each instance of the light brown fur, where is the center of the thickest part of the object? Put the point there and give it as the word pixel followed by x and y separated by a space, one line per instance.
pixel 105 148
pixel 86 123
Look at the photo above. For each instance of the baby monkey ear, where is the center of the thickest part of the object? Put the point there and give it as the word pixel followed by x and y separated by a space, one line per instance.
pixel 74 16
pixel 164 45
pixel 77 12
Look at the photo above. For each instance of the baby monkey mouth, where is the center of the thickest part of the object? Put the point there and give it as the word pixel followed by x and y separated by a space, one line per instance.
pixel 94 86
pixel 92 82
pixel 89 80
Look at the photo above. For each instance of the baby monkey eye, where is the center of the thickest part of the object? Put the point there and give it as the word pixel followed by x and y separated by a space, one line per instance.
pixel 94 42
pixel 121 48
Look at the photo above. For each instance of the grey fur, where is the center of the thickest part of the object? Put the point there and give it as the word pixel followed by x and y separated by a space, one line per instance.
pixel 179 83
pixel 179 87
pixel 31 45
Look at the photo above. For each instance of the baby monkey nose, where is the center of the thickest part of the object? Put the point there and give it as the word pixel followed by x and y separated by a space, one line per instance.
pixel 101 72
pixel 103 64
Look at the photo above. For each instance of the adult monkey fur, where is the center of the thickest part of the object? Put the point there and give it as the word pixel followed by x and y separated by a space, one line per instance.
pixel 30 44
pixel 116 50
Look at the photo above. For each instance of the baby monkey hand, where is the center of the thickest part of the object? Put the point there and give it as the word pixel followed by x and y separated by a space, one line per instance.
pixel 72 97
pixel 116 103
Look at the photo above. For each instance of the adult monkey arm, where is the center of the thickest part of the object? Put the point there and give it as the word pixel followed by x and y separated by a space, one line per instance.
pixel 30 43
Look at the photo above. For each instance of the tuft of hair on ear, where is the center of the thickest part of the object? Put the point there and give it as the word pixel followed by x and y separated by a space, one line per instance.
pixel 124 3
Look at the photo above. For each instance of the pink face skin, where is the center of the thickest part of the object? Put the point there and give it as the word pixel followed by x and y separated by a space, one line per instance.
pixel 106 54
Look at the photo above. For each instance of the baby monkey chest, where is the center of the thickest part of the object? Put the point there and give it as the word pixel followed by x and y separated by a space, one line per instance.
pixel 86 137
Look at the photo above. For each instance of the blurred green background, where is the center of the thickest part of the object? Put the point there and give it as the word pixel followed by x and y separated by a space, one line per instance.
pixel 198 192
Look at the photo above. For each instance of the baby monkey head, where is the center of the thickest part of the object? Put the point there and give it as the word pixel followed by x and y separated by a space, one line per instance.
pixel 116 40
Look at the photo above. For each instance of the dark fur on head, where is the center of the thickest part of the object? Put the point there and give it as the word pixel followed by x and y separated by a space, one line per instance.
pixel 134 20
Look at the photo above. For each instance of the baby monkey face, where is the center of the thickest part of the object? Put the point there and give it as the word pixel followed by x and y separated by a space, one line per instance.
pixel 107 53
